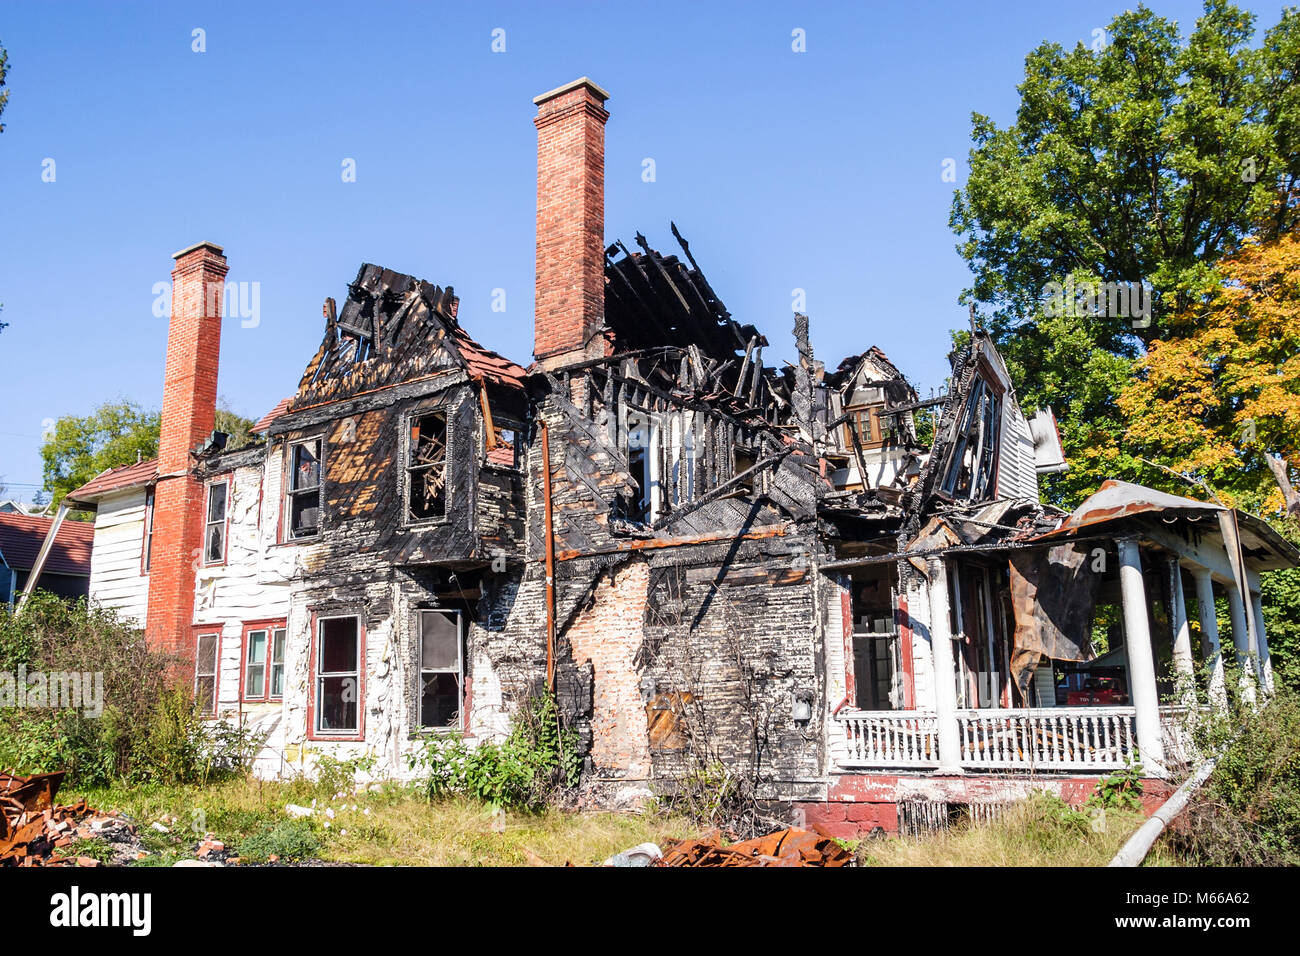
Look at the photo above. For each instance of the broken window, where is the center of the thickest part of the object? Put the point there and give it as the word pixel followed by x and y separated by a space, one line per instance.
pixel 146 549
pixel 205 674
pixel 877 665
pixel 441 668
pixel 264 664
pixel 743 459
pixel 639 438
pixel 214 532
pixel 338 674
pixel 426 467
pixel 505 453
pixel 304 488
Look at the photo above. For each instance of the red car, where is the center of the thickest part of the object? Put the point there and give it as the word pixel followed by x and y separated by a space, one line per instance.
pixel 1098 692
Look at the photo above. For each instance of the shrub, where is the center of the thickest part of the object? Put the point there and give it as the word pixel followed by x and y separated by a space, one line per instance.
pixel 1248 812
pixel 538 760
pixel 290 840
pixel 148 728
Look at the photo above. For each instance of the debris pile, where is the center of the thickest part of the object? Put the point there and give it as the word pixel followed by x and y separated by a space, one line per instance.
pixel 790 847
pixel 34 831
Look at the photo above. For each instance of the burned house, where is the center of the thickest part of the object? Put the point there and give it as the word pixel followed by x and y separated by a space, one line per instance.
pixel 849 597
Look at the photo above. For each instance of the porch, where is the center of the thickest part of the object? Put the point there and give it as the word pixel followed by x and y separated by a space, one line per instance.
pixel 1072 739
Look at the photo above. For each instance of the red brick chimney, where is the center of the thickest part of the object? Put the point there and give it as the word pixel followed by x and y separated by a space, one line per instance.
pixel 570 301
pixel 188 412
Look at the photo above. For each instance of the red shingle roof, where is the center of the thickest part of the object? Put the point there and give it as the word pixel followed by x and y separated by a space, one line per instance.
pixel 114 479
pixel 486 365
pixel 264 422
pixel 21 537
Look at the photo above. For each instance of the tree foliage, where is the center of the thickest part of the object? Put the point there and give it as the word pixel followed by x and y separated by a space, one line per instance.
pixel 1222 391
pixel 115 434
pixel 1146 160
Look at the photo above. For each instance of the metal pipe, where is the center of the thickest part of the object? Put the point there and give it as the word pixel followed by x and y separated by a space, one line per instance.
pixel 46 546
pixel 548 519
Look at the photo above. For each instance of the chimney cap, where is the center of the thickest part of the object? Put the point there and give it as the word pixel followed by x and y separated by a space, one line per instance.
pixel 580 82
pixel 200 245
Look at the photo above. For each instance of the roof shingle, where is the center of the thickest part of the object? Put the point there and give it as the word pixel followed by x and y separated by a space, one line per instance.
pixel 21 537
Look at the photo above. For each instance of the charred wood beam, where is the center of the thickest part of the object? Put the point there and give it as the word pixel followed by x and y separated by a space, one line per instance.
pixel 721 490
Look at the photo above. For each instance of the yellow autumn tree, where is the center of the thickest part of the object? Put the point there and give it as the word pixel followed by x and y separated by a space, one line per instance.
pixel 1219 393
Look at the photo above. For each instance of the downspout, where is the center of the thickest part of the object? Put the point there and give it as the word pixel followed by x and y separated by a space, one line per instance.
pixel 548 520
pixel 46 546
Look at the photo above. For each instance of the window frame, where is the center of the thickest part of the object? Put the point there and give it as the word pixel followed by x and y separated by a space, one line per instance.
pixel 270 627
pixel 461 723
pixel 146 544
pixel 872 411
pixel 199 633
pixel 287 535
pixel 408 421
pixel 225 531
pixel 314 676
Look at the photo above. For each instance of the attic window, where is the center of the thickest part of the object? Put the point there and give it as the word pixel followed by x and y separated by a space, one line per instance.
pixel 304 489
pixel 426 467
pixel 864 421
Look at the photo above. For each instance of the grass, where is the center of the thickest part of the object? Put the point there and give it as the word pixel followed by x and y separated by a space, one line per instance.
pixel 1039 831
pixel 391 825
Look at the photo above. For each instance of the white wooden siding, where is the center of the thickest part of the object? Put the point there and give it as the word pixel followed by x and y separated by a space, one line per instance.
pixel 115 578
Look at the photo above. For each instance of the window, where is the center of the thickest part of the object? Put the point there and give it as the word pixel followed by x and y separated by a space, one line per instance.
pixel 205 674
pixel 864 421
pixel 264 663
pixel 146 550
pixel 426 467
pixel 214 532
pixel 506 452
pixel 441 671
pixel 304 489
pixel 338 675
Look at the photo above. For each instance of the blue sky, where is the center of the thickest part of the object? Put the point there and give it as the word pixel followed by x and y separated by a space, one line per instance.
pixel 818 170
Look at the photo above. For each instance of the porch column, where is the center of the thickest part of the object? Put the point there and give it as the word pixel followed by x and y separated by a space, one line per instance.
pixel 1241 641
pixel 1265 661
pixel 1184 671
pixel 1210 637
pixel 945 691
pixel 1141 664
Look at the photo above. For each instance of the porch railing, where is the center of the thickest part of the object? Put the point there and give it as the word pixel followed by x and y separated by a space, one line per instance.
pixel 1047 738
pixel 895 738
pixel 1044 738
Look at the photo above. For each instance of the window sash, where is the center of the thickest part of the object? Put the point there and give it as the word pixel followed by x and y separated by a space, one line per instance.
pixel 216 526
pixel 326 680
pixel 309 494
pixel 416 469
pixel 430 672
pixel 205 672
pixel 147 550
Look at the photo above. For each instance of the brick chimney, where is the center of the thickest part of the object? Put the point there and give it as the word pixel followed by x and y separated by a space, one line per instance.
pixel 570 299
pixel 188 412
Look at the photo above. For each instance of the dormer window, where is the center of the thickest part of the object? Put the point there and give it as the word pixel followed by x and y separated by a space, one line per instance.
pixel 304 489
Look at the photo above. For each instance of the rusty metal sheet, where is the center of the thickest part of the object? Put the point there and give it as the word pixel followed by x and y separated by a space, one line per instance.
pixel 1115 500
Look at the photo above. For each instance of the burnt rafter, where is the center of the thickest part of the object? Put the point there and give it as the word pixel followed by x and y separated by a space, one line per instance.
pixel 653 299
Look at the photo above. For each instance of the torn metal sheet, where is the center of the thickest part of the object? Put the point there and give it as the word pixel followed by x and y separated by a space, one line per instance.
pixel 1053 593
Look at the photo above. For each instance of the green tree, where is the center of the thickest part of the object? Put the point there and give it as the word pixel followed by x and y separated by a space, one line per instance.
pixel 115 434
pixel 1146 160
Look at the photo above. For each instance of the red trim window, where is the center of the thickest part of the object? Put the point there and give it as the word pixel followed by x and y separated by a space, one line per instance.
pixel 302 503
pixel 338 682
pixel 206 644
pixel 146 547
pixel 216 522
pixel 442 669
pixel 263 662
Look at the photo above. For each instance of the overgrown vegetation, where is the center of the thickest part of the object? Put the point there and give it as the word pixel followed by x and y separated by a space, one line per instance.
pixel 1248 812
pixel 1042 830
pixel 143 728
pixel 537 761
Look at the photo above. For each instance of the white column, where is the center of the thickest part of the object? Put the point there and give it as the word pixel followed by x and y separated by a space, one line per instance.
pixel 1265 661
pixel 1210 637
pixel 945 690
pixel 1141 663
pixel 1241 641
pixel 1184 671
